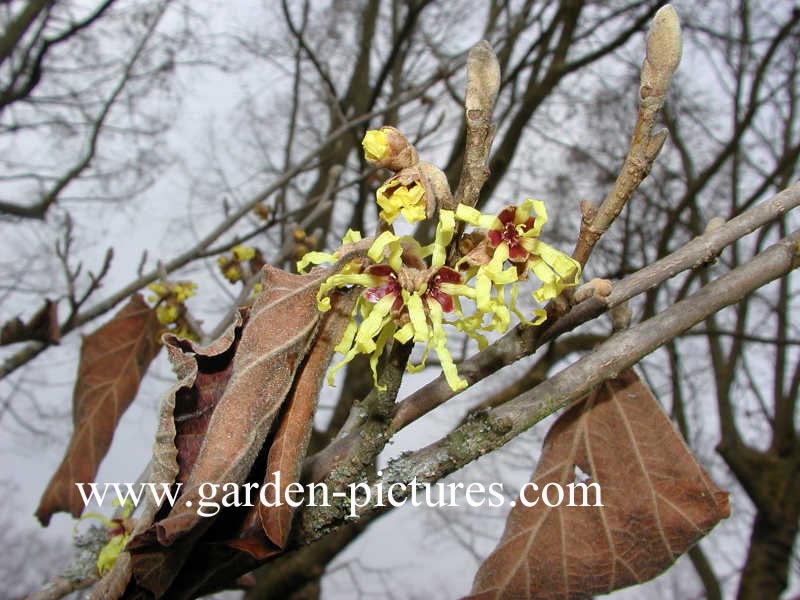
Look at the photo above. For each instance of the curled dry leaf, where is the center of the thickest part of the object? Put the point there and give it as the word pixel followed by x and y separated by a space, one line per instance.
pixel 244 537
pixel 198 370
pixel 266 528
pixel 196 398
pixel 275 340
pixel 243 399
pixel 657 503
pixel 113 361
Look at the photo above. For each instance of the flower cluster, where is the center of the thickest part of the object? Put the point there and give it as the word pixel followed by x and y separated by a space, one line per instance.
pixel 240 263
pixel 408 289
pixel 303 243
pixel 169 298
pixel 416 189
pixel 512 237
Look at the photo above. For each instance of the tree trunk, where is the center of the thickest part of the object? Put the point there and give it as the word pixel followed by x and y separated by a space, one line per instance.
pixel 766 570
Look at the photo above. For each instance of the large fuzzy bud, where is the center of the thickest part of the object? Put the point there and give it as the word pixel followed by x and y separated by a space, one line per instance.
pixel 664 48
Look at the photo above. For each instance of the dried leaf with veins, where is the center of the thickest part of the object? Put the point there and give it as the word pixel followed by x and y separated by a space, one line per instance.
pixel 113 361
pixel 657 503
pixel 274 342
pixel 266 529
pixel 242 538
pixel 198 369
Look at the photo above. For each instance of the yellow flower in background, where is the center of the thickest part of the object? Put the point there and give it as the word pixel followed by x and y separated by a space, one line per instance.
pixel 167 313
pixel 397 199
pixel 240 263
pixel 375 144
pixel 243 253
pixel 233 273
pixel 159 290
pixel 183 331
pixel 170 308
pixel 184 290
pixel 181 290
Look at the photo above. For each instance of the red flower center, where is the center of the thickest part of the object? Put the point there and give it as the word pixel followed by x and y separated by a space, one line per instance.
pixel 443 275
pixel 510 233
pixel 393 286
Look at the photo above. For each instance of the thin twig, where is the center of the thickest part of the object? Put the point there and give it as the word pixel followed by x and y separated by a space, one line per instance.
pixel 661 59
pixel 61 586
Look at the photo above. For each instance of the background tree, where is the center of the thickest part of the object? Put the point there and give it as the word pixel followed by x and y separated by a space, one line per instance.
pixel 292 152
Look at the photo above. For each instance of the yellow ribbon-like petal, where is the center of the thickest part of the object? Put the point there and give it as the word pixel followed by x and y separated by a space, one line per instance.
pixel 339 280
pixel 405 333
pixel 364 342
pixel 351 237
pixel 444 235
pixel 383 338
pixel 314 258
pixel 372 325
pixel 109 554
pixel 416 312
pixel 540 214
pixel 475 217
pixel 406 200
pixel 439 339
pixel 376 250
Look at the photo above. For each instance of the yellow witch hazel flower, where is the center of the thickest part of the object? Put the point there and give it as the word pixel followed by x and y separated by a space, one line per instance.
pixel 396 199
pixel 231 265
pixel 405 193
pixel 388 148
pixel 408 289
pixel 119 532
pixel 169 298
pixel 404 299
pixel 243 253
pixel 513 236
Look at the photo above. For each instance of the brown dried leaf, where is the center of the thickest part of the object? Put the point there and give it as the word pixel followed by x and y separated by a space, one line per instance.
pixel 275 340
pixel 657 503
pixel 195 367
pixel 266 528
pixel 113 361
pixel 197 396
